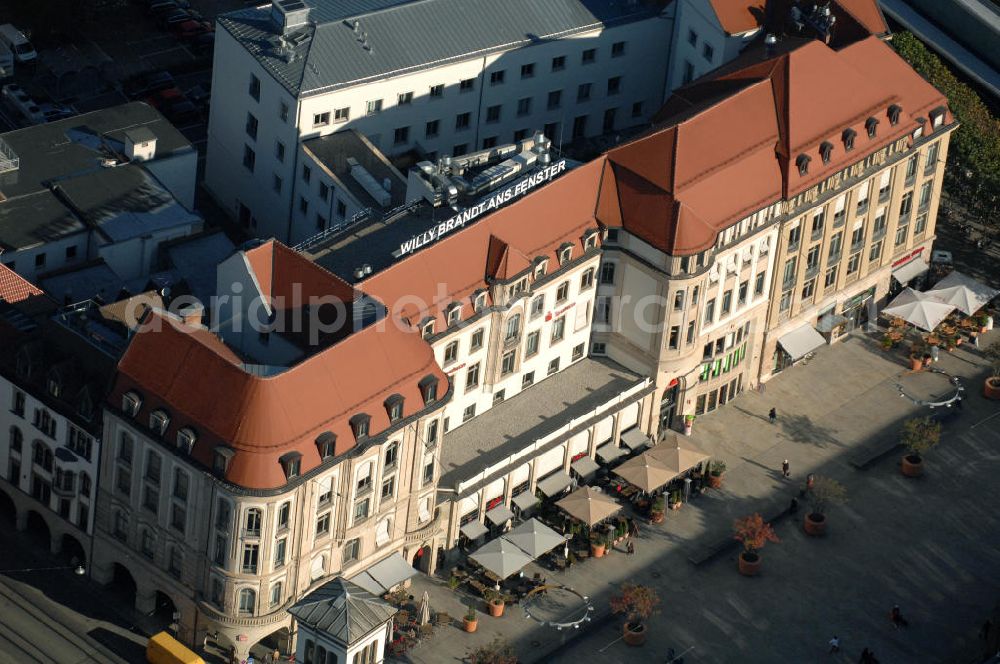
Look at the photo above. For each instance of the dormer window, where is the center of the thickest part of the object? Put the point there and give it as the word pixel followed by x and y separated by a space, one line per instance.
pixel 325 444
pixel 825 150
pixel 54 384
pixel 429 388
pixel 427 327
pixel 454 313
pixel 479 300
pixel 802 162
pixel 937 116
pixel 185 439
pixel 541 267
pixel 359 425
pixel 893 113
pixel 221 458
pixel 131 403
pixel 520 286
pixel 848 138
pixel 394 407
pixel 590 239
pixel 292 464
pixel 565 253
pixel 871 126
pixel 158 421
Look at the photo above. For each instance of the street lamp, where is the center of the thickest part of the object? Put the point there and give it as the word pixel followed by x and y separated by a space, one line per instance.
pixel 79 570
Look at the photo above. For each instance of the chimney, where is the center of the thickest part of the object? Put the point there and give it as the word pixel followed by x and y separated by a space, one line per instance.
pixel 192 315
pixel 140 144
pixel 770 42
pixel 286 15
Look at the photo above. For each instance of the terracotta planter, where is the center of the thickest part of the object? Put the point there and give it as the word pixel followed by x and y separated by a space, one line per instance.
pixel 597 550
pixel 495 608
pixel 633 636
pixel 470 625
pixel 912 466
pixel 714 481
pixel 814 524
pixel 916 363
pixel 656 517
pixel 958 341
pixel 991 388
pixel 749 563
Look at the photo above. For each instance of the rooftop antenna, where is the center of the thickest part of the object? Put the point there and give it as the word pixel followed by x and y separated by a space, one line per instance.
pixel 357 25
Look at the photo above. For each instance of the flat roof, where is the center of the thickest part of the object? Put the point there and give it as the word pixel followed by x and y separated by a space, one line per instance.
pixel 35 219
pixel 407 36
pixel 532 414
pixel 333 151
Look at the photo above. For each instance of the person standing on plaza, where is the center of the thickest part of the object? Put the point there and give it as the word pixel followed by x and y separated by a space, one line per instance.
pixel 773 416
pixel 897 617
pixel 630 548
pixel 834 644
pixel 785 468
pixel 275 656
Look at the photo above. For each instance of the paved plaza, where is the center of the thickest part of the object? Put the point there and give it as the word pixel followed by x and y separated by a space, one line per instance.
pixel 931 545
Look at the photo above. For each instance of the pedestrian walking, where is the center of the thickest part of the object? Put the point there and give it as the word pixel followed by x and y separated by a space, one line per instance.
pixel 773 416
pixel 630 548
pixel 834 644
pixel 785 467
pixel 810 481
pixel 897 617
pixel 866 656
pixel 204 642
pixel 275 656
pixel 793 506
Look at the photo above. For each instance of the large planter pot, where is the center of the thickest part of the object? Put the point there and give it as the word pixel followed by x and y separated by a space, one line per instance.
pixel 470 625
pixel 814 524
pixel 687 428
pixel 495 608
pixel 749 563
pixel 916 363
pixel 927 361
pixel 597 550
pixel 714 481
pixel 991 388
pixel 656 517
pixel 912 466
pixel 634 635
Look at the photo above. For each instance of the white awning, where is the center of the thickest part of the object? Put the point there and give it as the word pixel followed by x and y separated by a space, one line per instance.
pixel 904 274
pixel 554 484
pixel 801 341
pixel 525 500
pixel 473 529
pixel 830 321
pixel 585 466
pixel 499 514
pixel 609 452
pixel 391 571
pixel 366 581
pixel 634 439
pixel 382 533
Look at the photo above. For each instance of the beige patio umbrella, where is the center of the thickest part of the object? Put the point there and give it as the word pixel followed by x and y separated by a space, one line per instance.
pixel 424 610
pixel 678 454
pixel 645 472
pixel 589 505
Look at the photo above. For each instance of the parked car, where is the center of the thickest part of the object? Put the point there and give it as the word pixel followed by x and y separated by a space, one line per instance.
pixel 53 112
pixel 15 40
pixel 164 97
pixel 181 111
pixel 189 30
pixel 147 84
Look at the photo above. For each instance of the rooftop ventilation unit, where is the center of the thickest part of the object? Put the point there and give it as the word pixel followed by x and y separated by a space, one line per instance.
pixel 288 15
pixel 368 183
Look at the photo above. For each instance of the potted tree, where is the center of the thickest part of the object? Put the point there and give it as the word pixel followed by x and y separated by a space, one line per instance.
pixel 753 532
pixel 716 469
pixel 471 619
pixel 495 601
pixel 688 424
pixel 917 356
pixel 991 388
pixel 824 492
pixel 496 651
pixel 637 603
pixel 919 435
pixel 454 582
pixel 656 510
pixel 598 544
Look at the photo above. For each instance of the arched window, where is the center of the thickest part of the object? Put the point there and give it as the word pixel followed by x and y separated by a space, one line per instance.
pixel 248 601
pixel 253 522
pixel 16 439
pixel 391 455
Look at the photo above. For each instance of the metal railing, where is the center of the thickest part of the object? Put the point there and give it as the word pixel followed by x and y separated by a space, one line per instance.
pixel 9 160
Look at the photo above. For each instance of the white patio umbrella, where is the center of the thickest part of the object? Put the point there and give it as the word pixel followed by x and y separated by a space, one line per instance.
pixel 922 310
pixel 501 557
pixel 534 538
pixel 424 610
pixel 964 292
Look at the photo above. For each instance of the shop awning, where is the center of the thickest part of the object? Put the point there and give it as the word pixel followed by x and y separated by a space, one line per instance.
pixel 553 485
pixel 634 439
pixel 534 538
pixel 473 529
pixel 801 341
pixel 585 466
pixel 610 452
pixel 904 274
pixel 830 321
pixel 391 571
pixel 499 515
pixel 525 500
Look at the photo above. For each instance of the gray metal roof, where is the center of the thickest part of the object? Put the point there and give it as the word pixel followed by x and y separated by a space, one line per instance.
pixel 27 221
pixel 406 36
pixel 343 610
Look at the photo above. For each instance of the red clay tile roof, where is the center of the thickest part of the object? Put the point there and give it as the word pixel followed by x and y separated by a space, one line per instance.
pixel 15 288
pixel 728 145
pixel 738 16
pixel 288 279
pixel 867 13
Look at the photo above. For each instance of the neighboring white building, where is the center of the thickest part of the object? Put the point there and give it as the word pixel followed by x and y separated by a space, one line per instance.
pixel 442 77
pixel 707 33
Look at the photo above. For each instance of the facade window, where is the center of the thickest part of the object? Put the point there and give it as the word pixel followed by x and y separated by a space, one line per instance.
pixel 275 594
pixel 559 63
pixel 920 224
pixel 532 345
pixel 276 183
pixel 788 276
pixel 812 258
pixel 404 98
pixel 555 99
pixel 875 252
pixel 794 235
pixel 359 425
pixel 742 297
pixel 513 328
pixel 857 237
pixel 553 366
pixel 830 279
pixel 836 244
pixel 497 77
pixel 614 85
pixel 607 273
pixel 463 121
pixel 254 87
pixel 689 337
pixel 352 550
pixel 252 522
pixel 925 195
pixel 279 151
pixel 493 113
pixel 808 288
pixel 932 157
pixel 472 377
pixel 321 119
pixel 786 301
pixel 692 38
pixel 251 126
pixel 467 85
pixel 579 126
pixel 618 49
pixel 148 544
pixel 451 352
pixel 374 106
pixel 476 341
pixel 323 523
pixel 342 114
pixel 637 109
pixel 558 329
pixel 524 106
pixel 283 111
pixel 710 311
pixel 906 204
pixel 688 72
pixel 853 263
pixel 284 512
pixel 432 128
pixel 362 509
pixel 250 558
pixel 589 56
pixel 678 300
pixel 878 228
pixel 528 379
pixel 388 488
pixel 401 135
pixel 673 341
pixel 608 123
pixel 247 602
pixel 507 363
pixel 727 302
pixel 707 51
pixel 469 412
pixel 432 434
pixel 391 455
pixel 528 70
pixel 817 224
pixel 901 232
pixel 562 293
pixel 583 92
pixel 249 158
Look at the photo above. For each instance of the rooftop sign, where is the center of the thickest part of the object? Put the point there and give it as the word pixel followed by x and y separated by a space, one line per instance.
pixel 492 202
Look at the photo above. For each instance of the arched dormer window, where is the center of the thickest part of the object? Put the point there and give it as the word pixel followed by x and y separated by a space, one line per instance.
pixel 893 114
pixel 360 424
pixel 479 299
pixel 131 403
pixel 590 238
pixel 541 266
pixel 292 464
pixel 54 383
pixel 802 163
pixel 454 313
pixel 565 252
pixel 185 439
pixel 428 388
pixel 326 443
pixel 159 421
pixel 848 138
pixel 871 126
pixel 394 407
pixel 825 150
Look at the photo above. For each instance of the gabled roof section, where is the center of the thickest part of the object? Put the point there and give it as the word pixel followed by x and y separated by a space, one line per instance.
pixel 739 16
pixel 288 280
pixel 14 288
pixel 342 610
pixel 503 262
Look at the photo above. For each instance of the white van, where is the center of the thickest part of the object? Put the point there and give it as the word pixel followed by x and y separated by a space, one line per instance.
pixel 15 40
